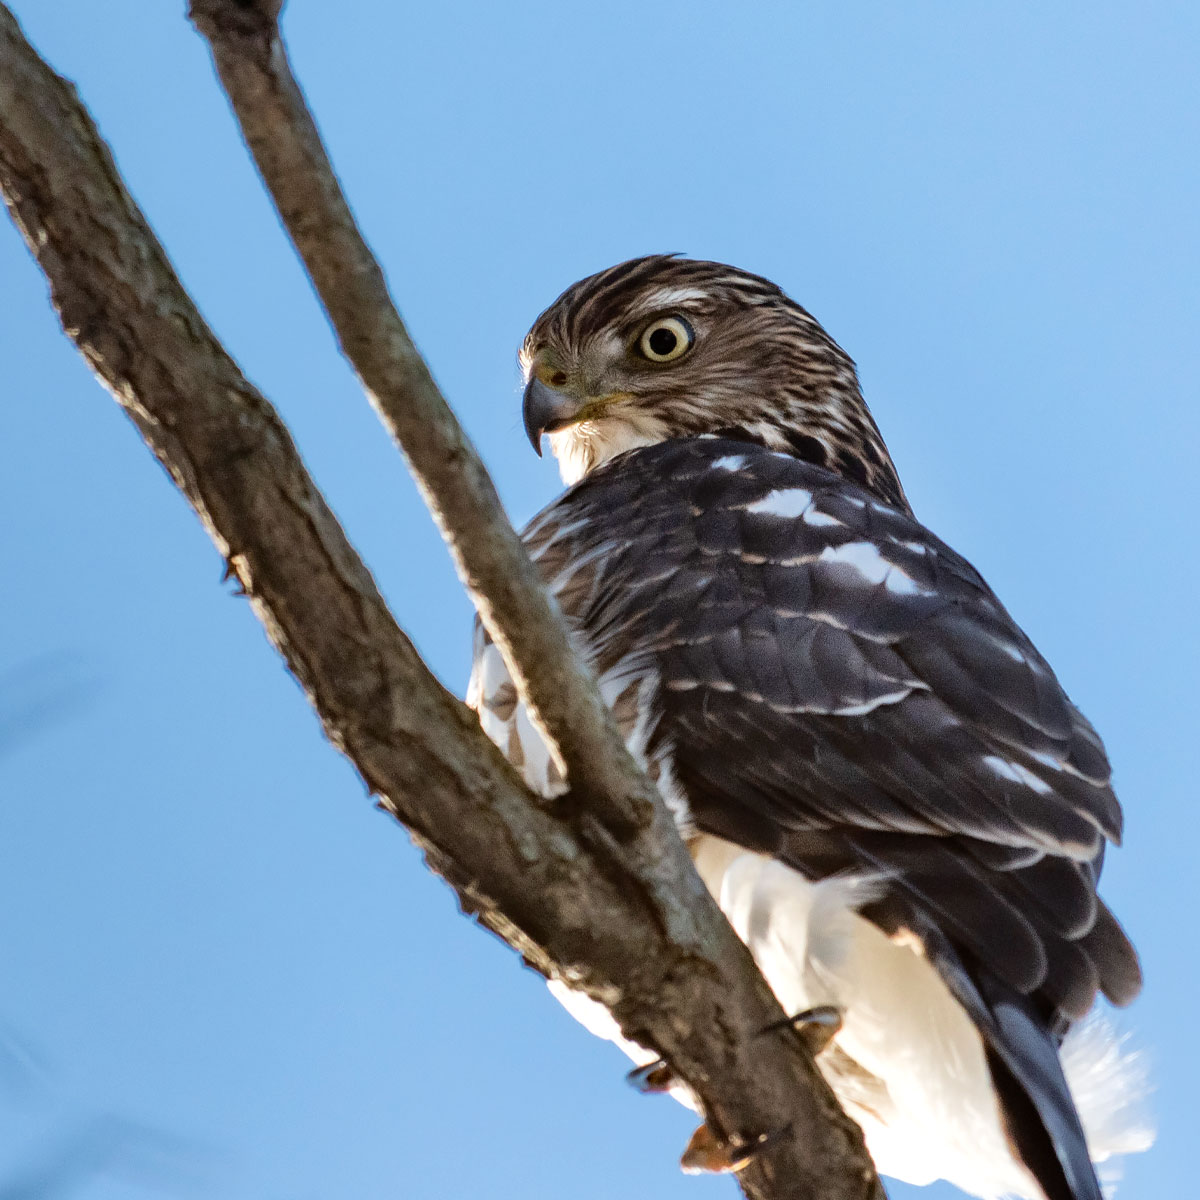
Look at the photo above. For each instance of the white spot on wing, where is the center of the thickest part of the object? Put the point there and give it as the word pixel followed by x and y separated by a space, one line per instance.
pixel 729 462
pixel 1017 773
pixel 860 710
pixel 813 517
pixel 1047 760
pixel 783 502
pixel 1013 652
pixel 864 557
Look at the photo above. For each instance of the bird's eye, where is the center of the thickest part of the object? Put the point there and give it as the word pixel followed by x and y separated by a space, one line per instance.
pixel 667 339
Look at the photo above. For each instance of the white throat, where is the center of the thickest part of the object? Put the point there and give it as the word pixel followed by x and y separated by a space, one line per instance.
pixel 583 447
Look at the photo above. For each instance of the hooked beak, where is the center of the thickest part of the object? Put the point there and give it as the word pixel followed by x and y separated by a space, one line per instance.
pixel 546 410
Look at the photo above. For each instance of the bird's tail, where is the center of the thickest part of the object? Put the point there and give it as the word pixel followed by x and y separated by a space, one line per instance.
pixel 1038 1108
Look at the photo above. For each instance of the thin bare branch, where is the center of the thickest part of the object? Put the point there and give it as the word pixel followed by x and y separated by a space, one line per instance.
pixel 524 622
pixel 628 922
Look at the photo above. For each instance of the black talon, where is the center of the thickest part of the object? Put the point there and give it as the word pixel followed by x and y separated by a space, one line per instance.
pixel 655 1076
pixel 816 1026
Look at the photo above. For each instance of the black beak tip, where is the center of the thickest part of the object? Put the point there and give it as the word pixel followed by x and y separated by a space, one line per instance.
pixel 538 411
pixel 534 434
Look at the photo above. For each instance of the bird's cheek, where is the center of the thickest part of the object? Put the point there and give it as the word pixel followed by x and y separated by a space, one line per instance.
pixel 606 404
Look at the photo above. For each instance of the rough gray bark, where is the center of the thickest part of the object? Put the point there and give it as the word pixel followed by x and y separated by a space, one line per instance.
pixel 599 890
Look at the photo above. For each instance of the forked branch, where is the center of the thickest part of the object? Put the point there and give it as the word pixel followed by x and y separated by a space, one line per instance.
pixel 599 892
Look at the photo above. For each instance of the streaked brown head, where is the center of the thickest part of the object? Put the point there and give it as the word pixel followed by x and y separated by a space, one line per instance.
pixel 663 347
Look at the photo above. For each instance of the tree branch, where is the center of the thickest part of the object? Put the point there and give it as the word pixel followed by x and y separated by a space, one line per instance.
pixel 524 622
pixel 618 912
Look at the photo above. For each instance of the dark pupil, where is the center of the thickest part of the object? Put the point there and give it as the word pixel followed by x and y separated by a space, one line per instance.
pixel 662 342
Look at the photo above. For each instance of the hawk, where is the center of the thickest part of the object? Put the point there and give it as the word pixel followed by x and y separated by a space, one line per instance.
pixel 878 776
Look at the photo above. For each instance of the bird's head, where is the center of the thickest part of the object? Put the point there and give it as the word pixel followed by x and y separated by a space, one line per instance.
pixel 664 347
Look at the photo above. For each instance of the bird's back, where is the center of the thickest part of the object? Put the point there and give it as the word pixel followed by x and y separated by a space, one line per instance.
pixel 825 691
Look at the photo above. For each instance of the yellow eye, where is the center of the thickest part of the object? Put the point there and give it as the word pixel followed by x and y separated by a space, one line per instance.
pixel 667 339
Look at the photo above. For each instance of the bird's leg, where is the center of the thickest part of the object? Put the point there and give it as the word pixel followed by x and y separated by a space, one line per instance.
pixel 817 1026
pixel 707 1154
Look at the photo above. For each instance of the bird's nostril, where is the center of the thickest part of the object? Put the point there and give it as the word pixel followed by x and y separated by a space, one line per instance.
pixel 558 378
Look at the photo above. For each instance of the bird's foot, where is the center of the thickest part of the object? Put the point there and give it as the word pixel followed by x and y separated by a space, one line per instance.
pixel 817 1026
pixel 707 1154
pixel 655 1076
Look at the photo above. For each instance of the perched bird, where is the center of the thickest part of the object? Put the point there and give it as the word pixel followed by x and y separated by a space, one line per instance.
pixel 879 778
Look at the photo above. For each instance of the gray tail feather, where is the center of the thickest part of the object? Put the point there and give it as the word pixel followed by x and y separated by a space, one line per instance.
pixel 1022 1054
pixel 1034 1098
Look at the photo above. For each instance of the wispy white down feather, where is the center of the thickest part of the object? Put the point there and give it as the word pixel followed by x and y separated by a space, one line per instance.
pixel 1110 1081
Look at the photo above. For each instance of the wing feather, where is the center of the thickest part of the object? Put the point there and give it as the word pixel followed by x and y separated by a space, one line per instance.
pixel 836 685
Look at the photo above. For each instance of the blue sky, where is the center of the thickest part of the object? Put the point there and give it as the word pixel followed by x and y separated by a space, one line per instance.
pixel 223 974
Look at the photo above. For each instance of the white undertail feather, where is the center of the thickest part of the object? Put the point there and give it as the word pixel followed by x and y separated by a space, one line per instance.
pixel 917 1080
pixel 1111 1085
pixel 926 1103
pixel 908 1064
